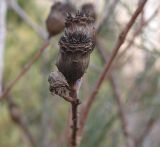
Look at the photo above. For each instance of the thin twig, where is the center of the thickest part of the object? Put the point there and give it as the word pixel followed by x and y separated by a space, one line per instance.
pixel 38 29
pixel 74 126
pixel 117 95
pixel 68 98
pixel 137 32
pixel 148 128
pixel 14 5
pixel 101 49
pixel 85 86
pixel 25 69
pixel 120 41
pixel 3 14
pixel 17 118
pixel 67 134
pixel 121 111
pixel 106 15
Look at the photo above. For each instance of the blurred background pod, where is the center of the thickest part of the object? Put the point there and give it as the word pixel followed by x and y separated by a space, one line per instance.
pixel 56 19
pixel 89 8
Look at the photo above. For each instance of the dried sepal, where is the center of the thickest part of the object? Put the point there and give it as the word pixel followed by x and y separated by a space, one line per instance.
pixel 58 84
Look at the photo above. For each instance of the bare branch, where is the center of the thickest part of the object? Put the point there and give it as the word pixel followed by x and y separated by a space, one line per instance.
pixel 17 118
pixel 117 96
pixel 121 112
pixel 25 69
pixel 120 41
pixel 106 15
pixel 38 29
pixel 148 128
pixel 3 10
pixel 74 126
pixel 137 32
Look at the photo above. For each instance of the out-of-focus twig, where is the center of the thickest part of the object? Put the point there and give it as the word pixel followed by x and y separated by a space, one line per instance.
pixel 14 5
pixel 17 118
pixel 85 86
pixel 38 29
pixel 106 15
pixel 120 105
pixel 137 32
pixel 3 10
pixel 25 69
pixel 148 128
pixel 130 139
pixel 120 41
pixel 74 127
pixel 65 135
pixel 122 116
pixel 115 91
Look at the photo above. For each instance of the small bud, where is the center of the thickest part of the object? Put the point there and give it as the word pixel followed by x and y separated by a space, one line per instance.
pixel 76 45
pixel 58 84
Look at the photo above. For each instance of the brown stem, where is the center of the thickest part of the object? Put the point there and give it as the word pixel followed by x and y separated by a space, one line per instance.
pixel 121 112
pixel 68 98
pixel 137 32
pixel 17 118
pixel 74 126
pixel 116 93
pixel 120 41
pixel 148 128
pixel 24 16
pixel 25 69
pixel 108 12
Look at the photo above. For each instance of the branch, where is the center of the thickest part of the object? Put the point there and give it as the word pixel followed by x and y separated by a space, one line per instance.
pixel 3 9
pixel 137 32
pixel 117 96
pixel 121 111
pixel 38 29
pixel 74 119
pixel 17 118
pixel 120 41
pixel 13 4
pixel 148 128
pixel 25 69
pixel 66 134
pixel 115 92
pixel 106 15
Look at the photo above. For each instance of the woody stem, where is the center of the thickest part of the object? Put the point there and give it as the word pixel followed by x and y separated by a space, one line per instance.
pixel 74 126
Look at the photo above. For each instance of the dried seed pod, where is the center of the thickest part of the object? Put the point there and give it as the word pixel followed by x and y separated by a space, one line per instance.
pixel 56 19
pixel 89 9
pixel 76 45
pixel 58 84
